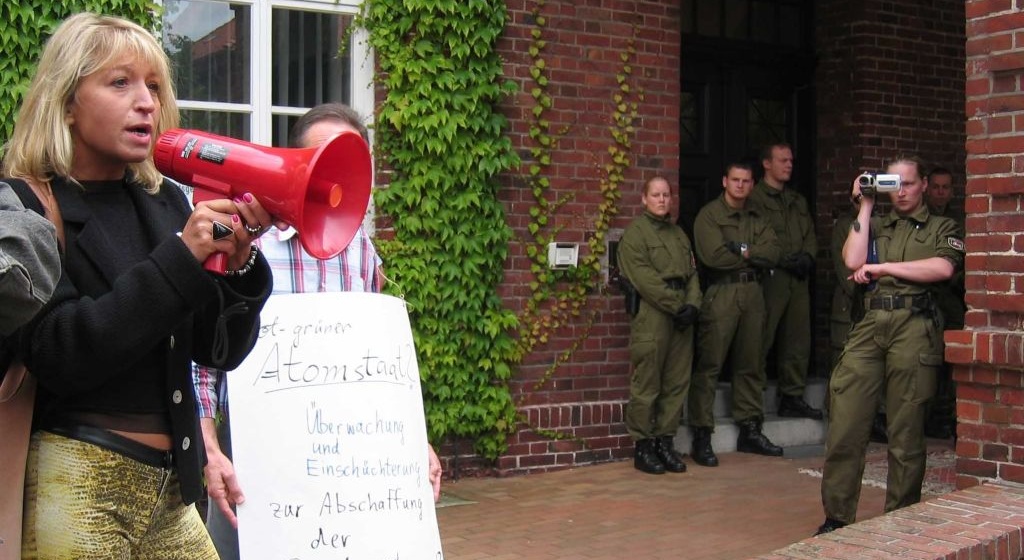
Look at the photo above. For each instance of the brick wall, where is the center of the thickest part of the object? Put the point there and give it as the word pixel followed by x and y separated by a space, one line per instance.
pixel 990 353
pixel 585 398
pixel 983 522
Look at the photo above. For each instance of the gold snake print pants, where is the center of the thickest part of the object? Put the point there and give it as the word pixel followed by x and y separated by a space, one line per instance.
pixel 84 501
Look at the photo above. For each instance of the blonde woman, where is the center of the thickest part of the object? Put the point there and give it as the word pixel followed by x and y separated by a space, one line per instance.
pixel 116 457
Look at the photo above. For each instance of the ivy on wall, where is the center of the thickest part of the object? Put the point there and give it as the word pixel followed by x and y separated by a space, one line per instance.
pixel 560 296
pixel 439 132
pixel 24 27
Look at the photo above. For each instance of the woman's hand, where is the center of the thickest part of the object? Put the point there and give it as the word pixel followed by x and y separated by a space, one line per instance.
pixel 866 274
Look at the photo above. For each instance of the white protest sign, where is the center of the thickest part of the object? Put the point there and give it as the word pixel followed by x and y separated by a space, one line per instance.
pixel 328 433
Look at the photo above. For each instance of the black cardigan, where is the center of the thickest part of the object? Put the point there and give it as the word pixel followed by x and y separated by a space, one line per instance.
pixel 110 318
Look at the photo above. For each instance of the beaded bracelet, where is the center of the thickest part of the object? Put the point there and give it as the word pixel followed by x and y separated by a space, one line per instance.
pixel 253 251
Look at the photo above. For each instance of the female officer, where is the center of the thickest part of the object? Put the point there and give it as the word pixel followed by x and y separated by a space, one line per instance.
pixel 655 255
pixel 895 349
pixel 116 456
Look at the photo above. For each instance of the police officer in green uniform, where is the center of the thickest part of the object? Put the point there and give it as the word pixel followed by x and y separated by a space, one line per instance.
pixel 895 350
pixel 737 247
pixel 656 257
pixel 949 296
pixel 787 295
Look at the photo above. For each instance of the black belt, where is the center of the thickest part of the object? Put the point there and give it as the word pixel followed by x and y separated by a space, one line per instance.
pixel 739 277
pixel 888 303
pixel 118 444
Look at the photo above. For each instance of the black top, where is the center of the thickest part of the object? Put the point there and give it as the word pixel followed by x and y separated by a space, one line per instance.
pixel 129 317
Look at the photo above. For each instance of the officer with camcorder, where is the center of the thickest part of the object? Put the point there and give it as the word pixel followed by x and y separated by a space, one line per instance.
pixel 896 348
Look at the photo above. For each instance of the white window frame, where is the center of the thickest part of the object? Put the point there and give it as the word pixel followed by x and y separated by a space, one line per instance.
pixel 259 109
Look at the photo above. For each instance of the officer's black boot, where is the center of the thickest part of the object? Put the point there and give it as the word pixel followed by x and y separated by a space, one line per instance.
pixel 829 525
pixel 645 457
pixel 751 440
pixel 702 453
pixel 671 458
pixel 797 407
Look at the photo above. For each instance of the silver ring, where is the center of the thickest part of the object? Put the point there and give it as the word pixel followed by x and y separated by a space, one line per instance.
pixel 254 231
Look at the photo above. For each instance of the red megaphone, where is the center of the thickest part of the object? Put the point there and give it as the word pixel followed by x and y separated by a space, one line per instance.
pixel 322 192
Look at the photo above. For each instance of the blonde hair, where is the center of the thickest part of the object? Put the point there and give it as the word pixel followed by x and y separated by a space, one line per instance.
pixel 41 145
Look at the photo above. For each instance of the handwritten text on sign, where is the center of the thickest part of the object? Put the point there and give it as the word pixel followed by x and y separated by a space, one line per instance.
pixel 328 433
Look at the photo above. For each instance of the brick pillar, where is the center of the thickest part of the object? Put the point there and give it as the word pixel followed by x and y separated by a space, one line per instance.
pixel 989 354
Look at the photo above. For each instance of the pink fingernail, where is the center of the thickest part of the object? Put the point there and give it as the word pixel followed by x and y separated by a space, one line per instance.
pixel 237 199
pixel 234 218
pixel 247 197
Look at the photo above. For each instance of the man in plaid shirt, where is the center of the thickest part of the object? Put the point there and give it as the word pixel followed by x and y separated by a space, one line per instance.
pixel 356 269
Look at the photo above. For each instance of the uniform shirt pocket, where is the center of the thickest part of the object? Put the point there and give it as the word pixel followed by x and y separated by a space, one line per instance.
pixel 659 254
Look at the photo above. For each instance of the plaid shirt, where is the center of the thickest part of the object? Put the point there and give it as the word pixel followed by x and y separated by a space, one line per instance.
pixel 295 272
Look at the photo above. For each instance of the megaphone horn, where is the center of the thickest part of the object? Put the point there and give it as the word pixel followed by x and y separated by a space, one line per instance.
pixel 322 192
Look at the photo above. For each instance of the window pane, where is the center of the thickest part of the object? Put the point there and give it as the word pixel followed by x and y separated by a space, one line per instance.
pixel 767 28
pixel 208 44
pixel 235 125
pixel 709 18
pixel 308 68
pixel 282 127
pixel 690 133
pixel 767 123
pixel 686 10
pixel 736 14
pixel 792 26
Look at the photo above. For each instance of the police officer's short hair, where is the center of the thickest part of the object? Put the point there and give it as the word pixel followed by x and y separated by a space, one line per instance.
pixel 649 182
pixel 922 169
pixel 938 170
pixel 766 151
pixel 738 165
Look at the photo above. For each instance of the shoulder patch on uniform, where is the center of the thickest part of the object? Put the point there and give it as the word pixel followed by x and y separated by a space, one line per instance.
pixel 956 243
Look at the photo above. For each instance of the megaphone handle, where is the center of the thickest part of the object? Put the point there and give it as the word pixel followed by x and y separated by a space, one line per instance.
pixel 217 263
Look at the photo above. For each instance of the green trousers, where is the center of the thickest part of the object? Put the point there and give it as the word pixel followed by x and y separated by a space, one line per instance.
pixel 730 330
pixel 898 354
pixel 662 358
pixel 787 303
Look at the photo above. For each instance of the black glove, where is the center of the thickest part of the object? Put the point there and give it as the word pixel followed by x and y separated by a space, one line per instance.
pixel 806 265
pixel 791 263
pixel 733 246
pixel 798 264
pixel 685 317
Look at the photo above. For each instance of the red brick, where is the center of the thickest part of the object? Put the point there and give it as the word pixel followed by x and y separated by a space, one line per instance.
pixel 977 393
pixel 1012 473
pixel 967 411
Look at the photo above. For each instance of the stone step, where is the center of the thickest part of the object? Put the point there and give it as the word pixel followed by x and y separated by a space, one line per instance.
pixel 799 437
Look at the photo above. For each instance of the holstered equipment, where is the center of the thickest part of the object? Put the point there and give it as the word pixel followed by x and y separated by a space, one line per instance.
pixel 631 297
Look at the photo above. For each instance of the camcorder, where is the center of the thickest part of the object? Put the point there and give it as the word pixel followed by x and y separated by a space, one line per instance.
pixel 870 183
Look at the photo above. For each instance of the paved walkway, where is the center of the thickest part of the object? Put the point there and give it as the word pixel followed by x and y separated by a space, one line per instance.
pixel 749 505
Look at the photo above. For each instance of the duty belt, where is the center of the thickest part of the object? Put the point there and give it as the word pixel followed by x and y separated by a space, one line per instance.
pixel 739 277
pixel 889 303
